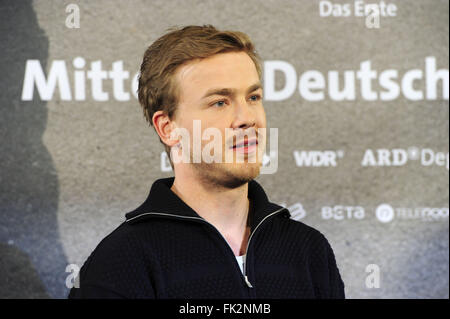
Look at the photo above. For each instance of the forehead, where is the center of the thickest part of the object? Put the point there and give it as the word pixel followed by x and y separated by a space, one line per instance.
pixel 234 70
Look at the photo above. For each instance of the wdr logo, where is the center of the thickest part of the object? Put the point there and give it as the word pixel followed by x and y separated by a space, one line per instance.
pixel 317 158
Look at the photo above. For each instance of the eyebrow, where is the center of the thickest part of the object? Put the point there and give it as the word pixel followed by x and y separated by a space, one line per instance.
pixel 230 92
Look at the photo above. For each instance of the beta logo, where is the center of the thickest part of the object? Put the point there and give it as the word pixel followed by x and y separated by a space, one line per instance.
pixel 399 157
pixel 340 212
pixel 317 158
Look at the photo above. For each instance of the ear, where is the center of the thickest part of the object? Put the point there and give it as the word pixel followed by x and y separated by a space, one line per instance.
pixel 164 127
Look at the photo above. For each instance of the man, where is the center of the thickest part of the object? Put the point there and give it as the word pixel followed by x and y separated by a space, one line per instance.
pixel 209 232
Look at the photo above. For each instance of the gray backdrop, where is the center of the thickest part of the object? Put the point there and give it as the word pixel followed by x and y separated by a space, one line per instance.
pixel 71 167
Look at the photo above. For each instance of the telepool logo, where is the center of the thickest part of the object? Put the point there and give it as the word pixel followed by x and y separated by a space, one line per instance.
pixel 72 79
pixel 317 158
pixel 400 157
pixel 385 213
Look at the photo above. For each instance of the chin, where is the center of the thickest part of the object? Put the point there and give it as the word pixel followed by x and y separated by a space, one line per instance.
pixel 240 174
pixel 230 175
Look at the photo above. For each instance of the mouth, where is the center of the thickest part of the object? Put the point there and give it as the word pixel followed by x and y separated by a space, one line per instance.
pixel 245 146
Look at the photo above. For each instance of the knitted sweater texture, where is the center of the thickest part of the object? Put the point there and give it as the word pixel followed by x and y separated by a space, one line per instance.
pixel 165 250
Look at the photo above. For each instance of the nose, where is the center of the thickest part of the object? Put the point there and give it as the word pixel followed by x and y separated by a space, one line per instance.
pixel 244 116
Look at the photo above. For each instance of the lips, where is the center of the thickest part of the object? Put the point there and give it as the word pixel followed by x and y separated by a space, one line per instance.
pixel 245 143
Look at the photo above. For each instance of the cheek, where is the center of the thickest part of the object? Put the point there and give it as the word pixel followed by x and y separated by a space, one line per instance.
pixel 261 118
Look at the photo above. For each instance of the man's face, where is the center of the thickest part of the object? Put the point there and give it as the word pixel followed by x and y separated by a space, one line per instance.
pixel 224 92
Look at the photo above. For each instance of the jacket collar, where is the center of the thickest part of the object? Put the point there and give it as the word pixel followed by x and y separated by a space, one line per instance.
pixel 162 199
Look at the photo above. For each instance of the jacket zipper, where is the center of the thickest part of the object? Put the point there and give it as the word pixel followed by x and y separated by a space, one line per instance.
pixel 248 245
pixel 244 273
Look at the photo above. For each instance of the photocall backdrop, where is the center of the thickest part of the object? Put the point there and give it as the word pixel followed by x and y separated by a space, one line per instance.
pixel 359 95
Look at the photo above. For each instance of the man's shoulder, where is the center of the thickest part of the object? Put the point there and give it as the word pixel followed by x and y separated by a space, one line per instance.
pixel 116 266
pixel 123 239
pixel 308 234
pixel 118 258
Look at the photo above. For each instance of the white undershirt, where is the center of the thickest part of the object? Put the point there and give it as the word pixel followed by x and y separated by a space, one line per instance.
pixel 240 261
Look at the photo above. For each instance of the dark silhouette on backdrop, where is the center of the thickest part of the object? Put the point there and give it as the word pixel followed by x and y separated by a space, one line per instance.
pixel 32 259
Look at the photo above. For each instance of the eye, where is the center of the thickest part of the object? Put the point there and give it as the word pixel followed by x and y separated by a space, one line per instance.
pixel 255 97
pixel 220 103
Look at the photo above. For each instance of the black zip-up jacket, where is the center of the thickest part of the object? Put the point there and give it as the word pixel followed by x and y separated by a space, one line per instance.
pixel 165 249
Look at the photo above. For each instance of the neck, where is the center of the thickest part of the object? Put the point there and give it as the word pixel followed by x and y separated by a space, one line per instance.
pixel 226 209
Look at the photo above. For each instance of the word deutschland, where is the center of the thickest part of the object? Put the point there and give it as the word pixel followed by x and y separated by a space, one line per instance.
pixel 422 83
